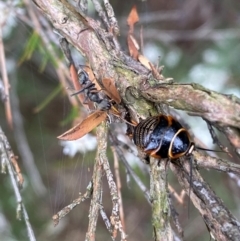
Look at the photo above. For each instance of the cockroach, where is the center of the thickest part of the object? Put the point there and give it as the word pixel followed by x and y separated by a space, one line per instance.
pixel 162 137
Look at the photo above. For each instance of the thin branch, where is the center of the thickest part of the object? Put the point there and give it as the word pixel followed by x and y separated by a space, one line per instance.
pixel 6 156
pixel 111 16
pixel 199 101
pixel 115 219
pixel 62 213
pixel 97 186
pixel 3 65
pixel 138 181
pixel 218 164
pixel 119 186
pixel 105 218
pixel 221 223
pixel 161 212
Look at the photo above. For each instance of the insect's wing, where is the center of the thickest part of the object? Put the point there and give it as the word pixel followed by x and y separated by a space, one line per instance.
pixel 111 90
pixel 84 127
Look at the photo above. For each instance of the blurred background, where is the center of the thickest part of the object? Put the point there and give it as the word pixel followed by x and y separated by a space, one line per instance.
pixel 196 41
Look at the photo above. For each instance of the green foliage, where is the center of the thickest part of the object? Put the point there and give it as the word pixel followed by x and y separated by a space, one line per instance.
pixel 35 44
pixel 70 117
pixel 48 99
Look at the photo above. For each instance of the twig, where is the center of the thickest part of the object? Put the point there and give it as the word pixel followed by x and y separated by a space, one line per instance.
pixel 6 157
pixel 109 20
pixel 101 13
pixel 105 218
pixel 161 212
pixel 3 65
pixel 111 16
pixel 205 161
pixel 178 197
pixel 83 4
pixel 119 186
pixel 217 217
pixel 199 101
pixel 215 138
pixel 138 181
pixel 115 220
pixel 97 185
pixel 233 137
pixel 174 216
pixel 62 213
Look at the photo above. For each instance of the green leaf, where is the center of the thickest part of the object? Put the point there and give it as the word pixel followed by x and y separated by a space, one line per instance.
pixel 71 116
pixel 31 46
pixel 48 99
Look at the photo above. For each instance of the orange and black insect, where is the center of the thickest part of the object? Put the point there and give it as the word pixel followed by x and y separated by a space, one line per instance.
pixel 162 137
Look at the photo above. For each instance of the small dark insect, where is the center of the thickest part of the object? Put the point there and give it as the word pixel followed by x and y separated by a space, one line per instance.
pixel 162 137
pixel 90 91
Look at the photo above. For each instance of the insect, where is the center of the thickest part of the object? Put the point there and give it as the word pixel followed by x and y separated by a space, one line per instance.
pixel 162 137
pixel 83 84
pixel 104 104
pixel 90 91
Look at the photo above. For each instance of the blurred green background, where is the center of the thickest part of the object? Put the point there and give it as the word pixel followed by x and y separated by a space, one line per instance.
pixel 196 41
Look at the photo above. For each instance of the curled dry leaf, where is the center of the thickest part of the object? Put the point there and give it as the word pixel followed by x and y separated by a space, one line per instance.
pixel 92 77
pixel 111 90
pixel 133 46
pixel 144 61
pixel 132 18
pixel 84 127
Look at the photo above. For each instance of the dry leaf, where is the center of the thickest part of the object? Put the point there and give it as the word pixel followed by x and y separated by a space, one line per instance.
pixel 144 61
pixel 77 86
pixel 84 127
pixel 132 19
pixel 92 77
pixel 133 46
pixel 111 90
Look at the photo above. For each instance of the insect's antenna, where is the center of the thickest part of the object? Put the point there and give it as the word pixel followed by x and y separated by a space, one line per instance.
pixel 205 149
pixel 190 181
pixel 82 66
pixel 117 115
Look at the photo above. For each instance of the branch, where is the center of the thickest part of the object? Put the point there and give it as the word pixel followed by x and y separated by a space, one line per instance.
pixel 16 179
pixel 221 223
pixel 161 212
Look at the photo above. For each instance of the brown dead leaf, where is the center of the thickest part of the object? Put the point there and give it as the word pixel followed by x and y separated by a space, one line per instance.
pixel 84 127
pixel 144 61
pixel 77 86
pixel 132 19
pixel 133 46
pixel 111 90
pixel 92 77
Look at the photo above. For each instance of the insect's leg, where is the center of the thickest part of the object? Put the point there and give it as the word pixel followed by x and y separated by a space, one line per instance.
pixel 83 89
